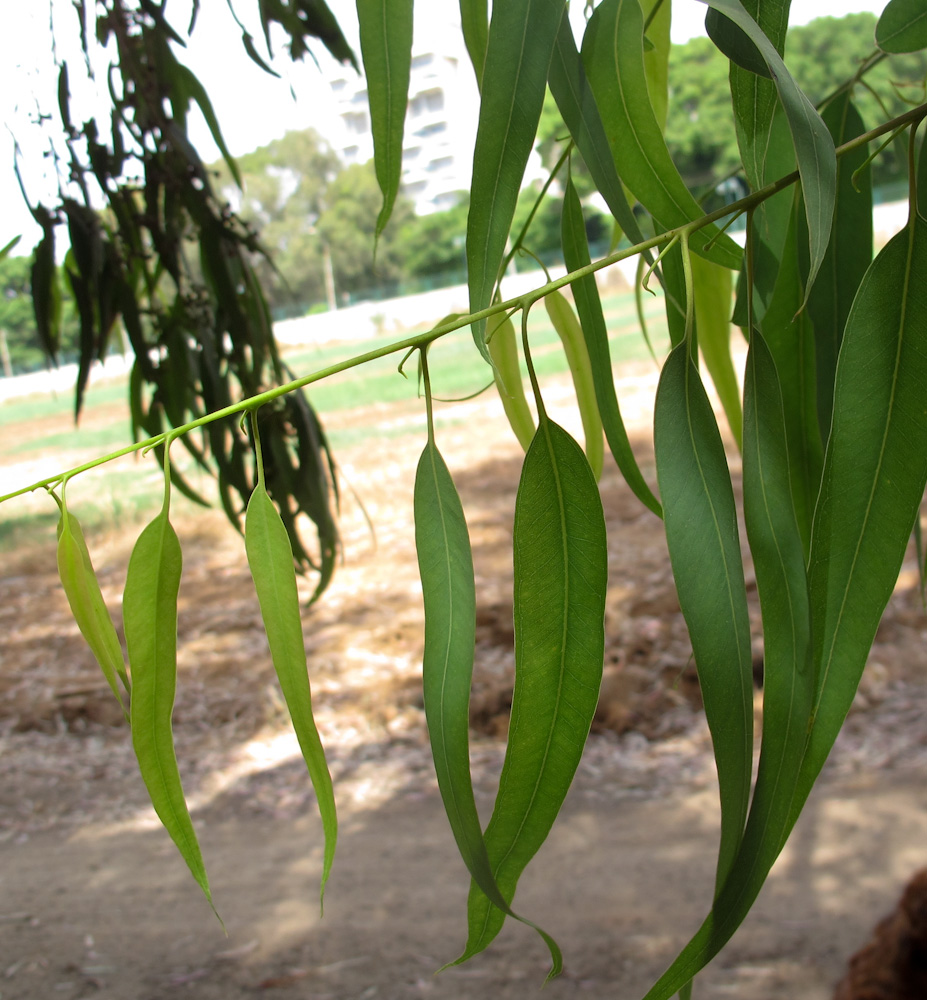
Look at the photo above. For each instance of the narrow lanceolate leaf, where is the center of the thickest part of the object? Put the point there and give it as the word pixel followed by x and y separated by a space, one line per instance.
pixel 474 21
pixel 814 147
pixel 386 48
pixel 788 679
pixel 503 352
pixel 569 331
pixel 656 55
pixel 592 319
pixel 149 614
pixel 902 27
pixel 571 91
pixel 87 605
pixel 613 57
pixel 754 97
pixel 848 256
pixel 713 304
pixel 559 607
pixel 446 568
pixel 704 548
pixel 791 341
pixel 521 40
pixel 875 469
pixel 270 559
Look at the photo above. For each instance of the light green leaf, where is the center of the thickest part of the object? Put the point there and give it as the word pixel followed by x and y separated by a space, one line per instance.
pixel 87 605
pixel 613 56
pixel 559 606
pixel 902 26
pixel 149 613
pixel 875 470
pixel 713 304
pixel 567 327
pixel 446 568
pixel 503 352
pixel 814 147
pixel 521 40
pixel 386 49
pixel 704 548
pixel 592 319
pixel 270 559
pixel 656 55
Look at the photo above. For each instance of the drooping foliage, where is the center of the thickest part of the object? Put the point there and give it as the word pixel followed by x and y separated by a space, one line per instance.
pixel 829 419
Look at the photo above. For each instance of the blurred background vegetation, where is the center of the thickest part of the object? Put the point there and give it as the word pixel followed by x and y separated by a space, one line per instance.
pixel 315 217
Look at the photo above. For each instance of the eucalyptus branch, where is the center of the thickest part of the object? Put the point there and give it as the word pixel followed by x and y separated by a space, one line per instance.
pixel 525 301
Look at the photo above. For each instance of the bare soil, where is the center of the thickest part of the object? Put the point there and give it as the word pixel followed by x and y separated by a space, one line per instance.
pixel 95 902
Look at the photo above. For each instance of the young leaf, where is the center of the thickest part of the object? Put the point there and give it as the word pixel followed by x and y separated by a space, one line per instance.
pixel 446 568
pixel 503 351
pixel 569 331
pixel 559 607
pixel 902 26
pixel 814 147
pixel 149 613
pixel 788 678
pixel 386 48
pixel 613 57
pixel 875 470
pixel 87 605
pixel 592 319
pixel 704 548
pixel 713 304
pixel 270 559
pixel 521 40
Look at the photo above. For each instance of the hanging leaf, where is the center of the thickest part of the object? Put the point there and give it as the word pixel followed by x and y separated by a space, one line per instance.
pixel 82 589
pixel 595 334
pixel 521 40
pixel 270 559
pixel 446 567
pixel 474 21
pixel 503 352
pixel 875 470
pixel 704 548
pixel 787 675
pixel 386 48
pixel 559 607
pixel 613 57
pixel 149 613
pixel 713 303
pixel 814 147
pixel 902 26
pixel 569 331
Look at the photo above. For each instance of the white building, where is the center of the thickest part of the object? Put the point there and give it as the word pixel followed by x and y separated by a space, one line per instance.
pixel 440 126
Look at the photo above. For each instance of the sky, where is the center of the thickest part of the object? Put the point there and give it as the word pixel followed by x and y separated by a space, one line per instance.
pixel 252 107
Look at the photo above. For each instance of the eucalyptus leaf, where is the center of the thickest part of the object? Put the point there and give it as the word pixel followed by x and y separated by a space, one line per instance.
pixel 902 26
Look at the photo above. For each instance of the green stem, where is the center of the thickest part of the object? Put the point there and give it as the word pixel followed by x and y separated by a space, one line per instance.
pixel 915 115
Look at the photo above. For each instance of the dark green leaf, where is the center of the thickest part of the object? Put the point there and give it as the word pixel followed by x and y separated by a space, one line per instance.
pixel 614 60
pixel 559 606
pixel 386 48
pixel 521 40
pixel 875 470
pixel 446 567
pixel 704 548
pixel 814 147
pixel 592 319
pixel 902 26
pixel 735 44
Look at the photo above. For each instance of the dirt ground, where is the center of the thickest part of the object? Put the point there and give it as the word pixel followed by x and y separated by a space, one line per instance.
pixel 95 902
